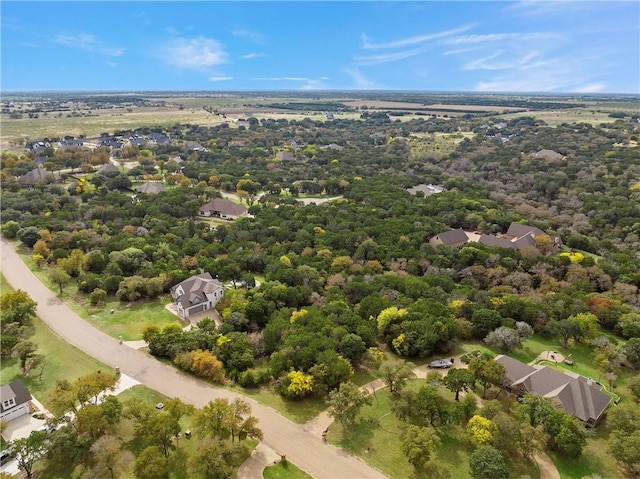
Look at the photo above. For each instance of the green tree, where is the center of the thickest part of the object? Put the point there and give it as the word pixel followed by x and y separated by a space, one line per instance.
pixel 631 351
pixel 458 380
pixel 419 444
pixel 29 235
pixel 504 338
pixel 395 374
pixel 17 307
pixel 213 460
pixel 215 420
pixel 486 462
pixel 59 277
pixel 346 402
pixel 389 316
pixel 151 464
pixel 110 459
pixel 29 450
pixel 586 326
pixel 10 229
pixel 24 350
pixel 487 372
pixel 98 296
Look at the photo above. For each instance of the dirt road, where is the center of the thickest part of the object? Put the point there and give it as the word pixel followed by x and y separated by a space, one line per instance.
pixel 301 446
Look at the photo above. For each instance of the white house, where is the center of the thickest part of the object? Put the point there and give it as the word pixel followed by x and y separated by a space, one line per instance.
pixel 197 294
pixel 15 401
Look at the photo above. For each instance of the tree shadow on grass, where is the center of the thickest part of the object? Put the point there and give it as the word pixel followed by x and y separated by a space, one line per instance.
pixel 357 438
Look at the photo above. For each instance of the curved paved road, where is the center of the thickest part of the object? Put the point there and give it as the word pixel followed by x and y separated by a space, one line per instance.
pixel 302 447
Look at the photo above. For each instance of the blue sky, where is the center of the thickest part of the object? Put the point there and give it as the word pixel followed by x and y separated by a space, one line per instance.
pixel 504 46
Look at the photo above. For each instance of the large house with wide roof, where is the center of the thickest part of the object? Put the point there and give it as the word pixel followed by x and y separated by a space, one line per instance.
pixel 222 208
pixel 576 394
pixel 197 294
pixel 518 236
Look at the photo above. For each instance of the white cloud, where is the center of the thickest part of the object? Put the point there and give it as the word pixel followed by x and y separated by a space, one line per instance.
pixel 87 42
pixel 315 84
pixel 112 64
pixel 404 42
pixel 194 53
pixel 251 35
pixel 389 57
pixel 220 78
pixel 531 59
pixel 253 55
pixel 591 88
pixel 545 8
pixel 361 82
pixel 282 79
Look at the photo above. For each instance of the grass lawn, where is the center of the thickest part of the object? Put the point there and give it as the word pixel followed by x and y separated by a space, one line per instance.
pixel 63 361
pixel 128 319
pixel 376 439
pixel 284 470
pixel 594 459
pixel 297 411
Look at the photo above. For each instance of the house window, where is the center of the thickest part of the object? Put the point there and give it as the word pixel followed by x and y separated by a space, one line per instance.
pixel 9 403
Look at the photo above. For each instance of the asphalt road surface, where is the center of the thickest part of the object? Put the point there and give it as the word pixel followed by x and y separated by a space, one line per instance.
pixel 301 446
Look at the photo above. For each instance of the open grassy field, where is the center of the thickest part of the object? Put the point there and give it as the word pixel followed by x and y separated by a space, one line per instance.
pixel 556 117
pixel 103 121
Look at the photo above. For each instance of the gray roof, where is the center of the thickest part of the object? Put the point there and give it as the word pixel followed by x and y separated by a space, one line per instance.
pixel 151 188
pixel 15 390
pixel 195 289
pixel 36 175
pixel 576 394
pixel 553 155
pixel 496 241
pixel 453 236
pixel 517 230
pixel 224 207
pixel 108 168
pixel 285 156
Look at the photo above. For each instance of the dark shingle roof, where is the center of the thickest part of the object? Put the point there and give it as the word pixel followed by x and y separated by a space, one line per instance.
pixel 224 207
pixel 517 230
pixel 15 390
pixel 453 236
pixel 496 241
pixel 151 188
pixel 576 394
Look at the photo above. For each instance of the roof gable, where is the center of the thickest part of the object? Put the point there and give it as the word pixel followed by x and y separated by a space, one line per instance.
pixel 14 390
pixel 576 394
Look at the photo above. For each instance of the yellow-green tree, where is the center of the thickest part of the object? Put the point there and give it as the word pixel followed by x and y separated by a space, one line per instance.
pixel 481 430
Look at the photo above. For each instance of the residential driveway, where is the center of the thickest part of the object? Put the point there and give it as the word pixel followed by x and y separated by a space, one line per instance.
pixel 303 448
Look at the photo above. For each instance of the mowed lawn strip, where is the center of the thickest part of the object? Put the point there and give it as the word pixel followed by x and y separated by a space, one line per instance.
pixel 284 470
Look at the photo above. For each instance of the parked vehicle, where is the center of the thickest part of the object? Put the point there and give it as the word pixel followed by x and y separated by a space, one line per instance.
pixel 441 364
pixel 6 454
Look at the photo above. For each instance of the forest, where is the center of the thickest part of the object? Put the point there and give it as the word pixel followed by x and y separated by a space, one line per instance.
pixel 318 290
